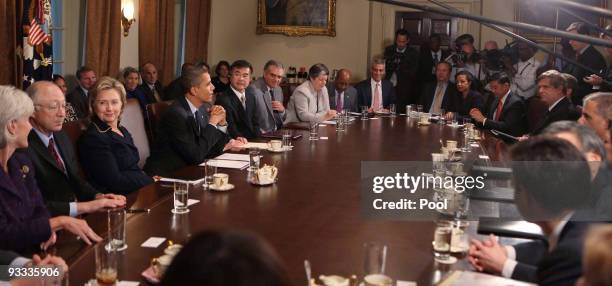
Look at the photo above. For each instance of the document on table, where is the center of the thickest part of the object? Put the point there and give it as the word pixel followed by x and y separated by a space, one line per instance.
pixel 240 165
pixel 256 145
pixel 233 157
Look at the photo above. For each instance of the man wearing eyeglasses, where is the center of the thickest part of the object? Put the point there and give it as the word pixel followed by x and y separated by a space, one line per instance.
pixel 269 96
pixel 57 172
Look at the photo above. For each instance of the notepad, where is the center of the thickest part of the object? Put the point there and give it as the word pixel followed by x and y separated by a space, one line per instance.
pixel 153 242
pixel 240 165
pixel 256 145
pixel 233 157
pixel 328 122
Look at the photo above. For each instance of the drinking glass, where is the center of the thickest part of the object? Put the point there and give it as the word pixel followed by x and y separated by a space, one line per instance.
pixel 441 119
pixel 453 118
pixel 419 108
pixel 442 240
pixel 375 258
pixel 181 196
pixel 460 240
pixel 364 112
pixel 209 171
pixel 286 139
pixel 116 229
pixel 254 159
pixel 106 265
pixel 413 109
pixel 409 111
pixel 392 110
pixel 314 131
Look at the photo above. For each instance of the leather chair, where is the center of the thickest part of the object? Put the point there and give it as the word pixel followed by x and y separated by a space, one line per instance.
pixel 133 120
pixel 154 114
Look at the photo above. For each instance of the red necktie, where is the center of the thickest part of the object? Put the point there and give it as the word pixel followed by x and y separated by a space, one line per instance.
pixel 499 110
pixel 56 156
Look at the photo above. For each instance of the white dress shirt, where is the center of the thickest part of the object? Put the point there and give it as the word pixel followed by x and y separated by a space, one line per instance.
pixel 241 96
pixel 193 111
pixel 524 81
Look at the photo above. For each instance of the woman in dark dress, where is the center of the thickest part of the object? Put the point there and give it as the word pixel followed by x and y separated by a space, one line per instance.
pixel 107 152
pixel 25 223
pixel 221 81
pixel 466 98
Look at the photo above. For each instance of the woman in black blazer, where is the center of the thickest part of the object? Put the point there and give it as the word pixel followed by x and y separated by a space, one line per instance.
pixel 106 150
pixel 466 98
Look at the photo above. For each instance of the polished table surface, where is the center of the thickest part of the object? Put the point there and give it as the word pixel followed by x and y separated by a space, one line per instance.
pixel 312 212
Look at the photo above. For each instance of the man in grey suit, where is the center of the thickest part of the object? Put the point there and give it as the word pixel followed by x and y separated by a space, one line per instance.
pixel 347 98
pixel 269 97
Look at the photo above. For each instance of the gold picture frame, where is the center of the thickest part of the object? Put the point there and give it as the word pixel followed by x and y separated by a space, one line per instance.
pixel 544 14
pixel 297 18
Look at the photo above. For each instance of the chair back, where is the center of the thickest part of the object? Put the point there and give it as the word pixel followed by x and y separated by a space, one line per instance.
pixel 133 120
pixel 154 114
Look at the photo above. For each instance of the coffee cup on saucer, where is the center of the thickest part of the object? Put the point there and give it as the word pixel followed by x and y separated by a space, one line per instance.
pixel 220 180
pixel 275 144
pixel 451 145
pixel 377 280
pixel 160 264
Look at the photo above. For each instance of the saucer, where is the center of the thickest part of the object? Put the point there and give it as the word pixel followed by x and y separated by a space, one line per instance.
pixel 224 188
pixel 280 150
pixel 423 123
pixel 266 184
pixel 450 260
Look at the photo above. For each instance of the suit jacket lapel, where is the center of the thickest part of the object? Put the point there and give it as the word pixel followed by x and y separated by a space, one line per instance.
pixel 268 97
pixel 39 147
pixel 191 120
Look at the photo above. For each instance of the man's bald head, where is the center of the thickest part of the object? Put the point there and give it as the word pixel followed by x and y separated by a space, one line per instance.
pixel 39 89
pixel 343 79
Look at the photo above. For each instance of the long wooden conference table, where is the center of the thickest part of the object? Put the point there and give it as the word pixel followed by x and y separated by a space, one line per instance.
pixel 312 212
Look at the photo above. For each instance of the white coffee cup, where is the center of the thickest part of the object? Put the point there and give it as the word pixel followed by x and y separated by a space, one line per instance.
pixel 161 263
pixel 378 280
pixel 220 179
pixel 451 144
pixel 276 144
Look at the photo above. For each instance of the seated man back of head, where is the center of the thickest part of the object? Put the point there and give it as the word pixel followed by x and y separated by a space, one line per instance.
pixel 549 176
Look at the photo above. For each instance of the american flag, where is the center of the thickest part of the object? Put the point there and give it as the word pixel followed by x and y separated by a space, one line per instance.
pixel 37 35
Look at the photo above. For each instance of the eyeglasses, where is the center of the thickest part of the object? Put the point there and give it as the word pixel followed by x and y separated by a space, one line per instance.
pixel 53 107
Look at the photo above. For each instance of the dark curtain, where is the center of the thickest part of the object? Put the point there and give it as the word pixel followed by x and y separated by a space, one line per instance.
pixel 103 36
pixel 156 36
pixel 197 30
pixel 10 57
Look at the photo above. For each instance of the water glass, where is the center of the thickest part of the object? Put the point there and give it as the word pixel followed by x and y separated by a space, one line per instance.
pixel 460 240
pixel 181 196
pixel 364 112
pixel 254 156
pixel 116 222
pixel 453 118
pixel 419 108
pixel 442 119
pixel 209 171
pixel 375 258
pixel 442 240
pixel 409 111
pixel 106 265
pixel 438 160
pixel 314 131
pixel 392 110
pixel 340 123
pixel 286 138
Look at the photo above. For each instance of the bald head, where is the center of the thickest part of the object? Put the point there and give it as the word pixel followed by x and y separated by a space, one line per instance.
pixel 343 80
pixel 49 106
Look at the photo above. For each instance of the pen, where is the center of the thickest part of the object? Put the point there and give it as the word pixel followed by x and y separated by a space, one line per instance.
pixel 138 210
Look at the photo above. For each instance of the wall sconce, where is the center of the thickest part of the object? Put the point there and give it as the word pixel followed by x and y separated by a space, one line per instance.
pixel 127 17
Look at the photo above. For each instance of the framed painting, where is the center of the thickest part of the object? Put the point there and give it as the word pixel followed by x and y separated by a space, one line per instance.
pixel 297 17
pixel 545 14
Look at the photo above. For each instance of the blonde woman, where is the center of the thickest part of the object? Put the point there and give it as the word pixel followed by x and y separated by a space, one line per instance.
pixel 106 150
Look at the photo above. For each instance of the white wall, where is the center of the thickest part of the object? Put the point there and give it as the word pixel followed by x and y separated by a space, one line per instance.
pixel 129 44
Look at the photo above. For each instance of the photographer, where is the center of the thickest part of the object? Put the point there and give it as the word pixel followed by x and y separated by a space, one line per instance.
pixel 524 72
pixel 468 59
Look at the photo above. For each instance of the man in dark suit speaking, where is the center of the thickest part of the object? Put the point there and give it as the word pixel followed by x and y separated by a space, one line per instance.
pixel 192 129
pixel 58 174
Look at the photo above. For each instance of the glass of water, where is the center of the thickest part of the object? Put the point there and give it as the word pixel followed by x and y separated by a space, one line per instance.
pixel 419 108
pixel 442 240
pixel 453 118
pixel 375 258
pixel 209 170
pixel 392 110
pixel 286 138
pixel 364 112
pixel 116 229
pixel 408 110
pixel 314 131
pixel 254 159
pixel 181 195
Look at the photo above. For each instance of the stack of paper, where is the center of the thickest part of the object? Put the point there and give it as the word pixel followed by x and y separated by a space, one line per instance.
pixel 256 145
pixel 228 164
